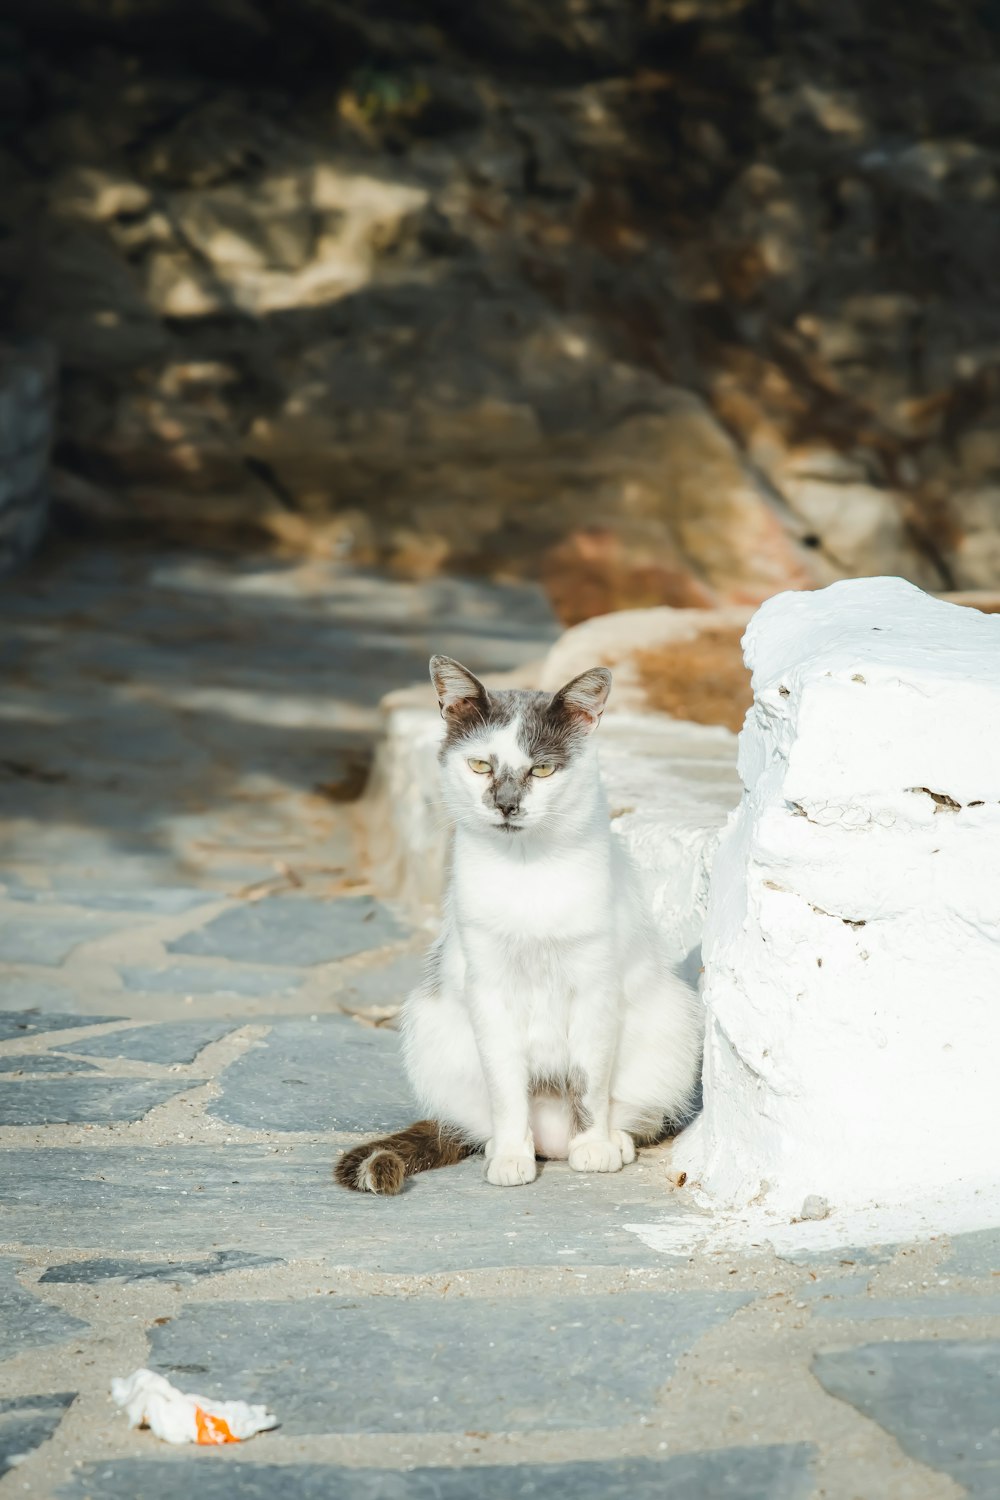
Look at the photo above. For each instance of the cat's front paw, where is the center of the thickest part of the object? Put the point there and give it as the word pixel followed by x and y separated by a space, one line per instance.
pixel 598 1156
pixel 626 1144
pixel 510 1171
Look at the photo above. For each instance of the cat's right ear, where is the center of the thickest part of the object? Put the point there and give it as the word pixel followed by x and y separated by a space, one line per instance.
pixel 461 696
pixel 583 699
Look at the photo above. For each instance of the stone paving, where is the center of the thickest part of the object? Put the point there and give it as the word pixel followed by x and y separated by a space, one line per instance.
pixel 195 982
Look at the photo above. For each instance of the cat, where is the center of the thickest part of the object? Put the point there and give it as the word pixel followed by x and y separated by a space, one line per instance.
pixel 548 1023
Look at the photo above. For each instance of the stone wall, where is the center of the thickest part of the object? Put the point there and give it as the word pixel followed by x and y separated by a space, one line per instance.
pixel 27 404
pixel 678 301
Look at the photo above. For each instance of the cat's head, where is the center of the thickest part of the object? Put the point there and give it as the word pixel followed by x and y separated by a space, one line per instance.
pixel 514 760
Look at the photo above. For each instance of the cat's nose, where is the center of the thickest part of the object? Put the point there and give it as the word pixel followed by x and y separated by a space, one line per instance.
pixel 508 806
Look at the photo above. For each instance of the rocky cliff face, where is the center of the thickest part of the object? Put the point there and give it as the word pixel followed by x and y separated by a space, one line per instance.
pixel 675 301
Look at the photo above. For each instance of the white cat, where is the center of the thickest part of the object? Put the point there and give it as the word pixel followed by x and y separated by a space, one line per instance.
pixel 549 1022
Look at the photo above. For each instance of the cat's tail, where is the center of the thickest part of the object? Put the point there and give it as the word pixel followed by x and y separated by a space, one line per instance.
pixel 383 1166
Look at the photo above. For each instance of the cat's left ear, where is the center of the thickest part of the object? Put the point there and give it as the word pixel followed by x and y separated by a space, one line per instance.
pixel 460 693
pixel 585 697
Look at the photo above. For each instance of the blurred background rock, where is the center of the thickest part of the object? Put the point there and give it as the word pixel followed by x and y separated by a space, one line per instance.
pixel 670 301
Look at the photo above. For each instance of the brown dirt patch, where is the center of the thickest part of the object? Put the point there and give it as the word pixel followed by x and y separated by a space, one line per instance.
pixel 703 680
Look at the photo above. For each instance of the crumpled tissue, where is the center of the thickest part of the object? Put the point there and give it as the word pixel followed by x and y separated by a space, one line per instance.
pixel 149 1400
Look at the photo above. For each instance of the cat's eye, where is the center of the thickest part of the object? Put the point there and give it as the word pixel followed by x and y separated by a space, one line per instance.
pixel 543 770
pixel 481 767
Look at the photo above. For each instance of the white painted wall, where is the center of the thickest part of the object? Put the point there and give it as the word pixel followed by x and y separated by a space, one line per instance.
pixel 852 944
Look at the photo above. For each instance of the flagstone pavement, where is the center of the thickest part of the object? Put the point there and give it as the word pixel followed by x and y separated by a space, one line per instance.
pixel 197 989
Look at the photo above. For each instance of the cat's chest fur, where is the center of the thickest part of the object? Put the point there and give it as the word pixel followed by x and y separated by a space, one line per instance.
pixel 550 898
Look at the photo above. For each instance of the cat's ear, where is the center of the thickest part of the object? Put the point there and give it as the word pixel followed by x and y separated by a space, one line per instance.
pixel 461 695
pixel 584 698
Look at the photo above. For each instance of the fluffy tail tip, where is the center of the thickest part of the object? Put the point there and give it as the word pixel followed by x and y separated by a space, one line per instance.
pixel 371 1171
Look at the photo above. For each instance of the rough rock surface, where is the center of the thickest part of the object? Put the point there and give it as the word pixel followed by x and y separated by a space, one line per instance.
pixel 678 302
pixel 27 421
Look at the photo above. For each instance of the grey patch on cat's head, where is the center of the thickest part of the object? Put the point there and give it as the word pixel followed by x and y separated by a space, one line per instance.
pixel 551 727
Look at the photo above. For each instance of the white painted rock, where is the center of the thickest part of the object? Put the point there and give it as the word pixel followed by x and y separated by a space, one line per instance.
pixel 852 944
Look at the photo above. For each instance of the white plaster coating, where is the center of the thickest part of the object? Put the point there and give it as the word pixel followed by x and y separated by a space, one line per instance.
pixel 852 943
pixel 403 823
pixel 705 1229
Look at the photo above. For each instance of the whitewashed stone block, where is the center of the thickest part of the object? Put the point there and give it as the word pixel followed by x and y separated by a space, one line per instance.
pixel 852 942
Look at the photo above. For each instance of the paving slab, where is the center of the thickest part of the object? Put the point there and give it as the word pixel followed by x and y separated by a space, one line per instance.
pixel 386 986
pixel 183 1272
pixel 337 1365
pixel 294 930
pixel 159 900
pixel 15 1024
pixel 22 989
pixel 938 1398
pixel 50 844
pixel 194 1199
pixel 26 1322
pixel 773 1472
pixel 167 1042
pixel 29 937
pixel 210 979
pixel 197 1198
pixel 953 1305
pixel 976 1254
pixel 28 1421
pixel 28 1063
pixel 842 1255
pixel 82 1101
pixel 329 1074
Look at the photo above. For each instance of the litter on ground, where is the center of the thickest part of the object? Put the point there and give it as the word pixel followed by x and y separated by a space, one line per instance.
pixel 149 1400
